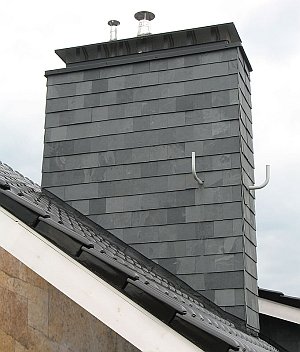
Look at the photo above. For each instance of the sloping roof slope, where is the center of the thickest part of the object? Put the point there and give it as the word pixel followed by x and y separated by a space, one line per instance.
pixel 146 283
pixel 279 297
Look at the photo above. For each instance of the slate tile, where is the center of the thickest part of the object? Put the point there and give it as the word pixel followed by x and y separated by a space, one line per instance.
pixel 124 96
pixel 185 103
pixel 224 280
pixel 233 244
pixel 225 297
pixel 84 191
pixel 197 147
pixel 217 146
pixel 100 85
pixel 172 249
pixel 232 210
pixel 151 217
pixel 122 220
pixel 123 156
pixel 100 113
pixel 109 205
pixel 213 246
pixel 209 294
pixel 194 248
pixel 90 74
pixel 167 105
pixel 175 62
pixel 223 228
pixel 195 214
pixel 65 78
pixel 116 83
pixel 141 123
pixel 58 191
pixel 115 111
pixel 176 215
pixel 158 153
pixel 192 60
pixel 133 203
pixel 135 80
pixel 196 281
pixel 238 311
pixel 84 87
pixel 149 169
pixel 176 182
pixel 61 90
pixel 250 249
pixel 251 283
pixel 82 206
pixel 250 266
pixel 158 65
pixel 141 67
pixel 53 105
pixel 205 229
pixel 149 107
pixel 108 98
pixel 107 158
pixel 133 109
pixel 90 100
pixel 224 263
pixel 252 300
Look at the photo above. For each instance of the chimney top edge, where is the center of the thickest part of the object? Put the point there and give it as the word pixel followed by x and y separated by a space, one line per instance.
pixel 166 40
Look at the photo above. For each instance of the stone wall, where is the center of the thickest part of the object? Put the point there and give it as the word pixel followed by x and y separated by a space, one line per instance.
pixel 35 316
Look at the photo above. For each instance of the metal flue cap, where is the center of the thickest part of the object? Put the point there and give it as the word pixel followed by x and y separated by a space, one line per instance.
pixel 144 15
pixel 144 18
pixel 113 29
pixel 113 23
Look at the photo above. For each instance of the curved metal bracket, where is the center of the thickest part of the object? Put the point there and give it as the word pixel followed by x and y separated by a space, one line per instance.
pixel 194 169
pixel 266 180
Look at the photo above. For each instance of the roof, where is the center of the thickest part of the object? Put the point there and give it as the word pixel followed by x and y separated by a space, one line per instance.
pixel 145 282
pixel 279 297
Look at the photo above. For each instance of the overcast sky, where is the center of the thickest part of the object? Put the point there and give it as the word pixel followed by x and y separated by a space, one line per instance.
pixel 270 30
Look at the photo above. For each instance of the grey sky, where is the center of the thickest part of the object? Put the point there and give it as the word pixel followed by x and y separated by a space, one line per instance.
pixel 270 29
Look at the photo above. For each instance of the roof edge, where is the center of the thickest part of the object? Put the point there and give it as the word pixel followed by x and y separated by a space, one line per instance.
pixel 87 288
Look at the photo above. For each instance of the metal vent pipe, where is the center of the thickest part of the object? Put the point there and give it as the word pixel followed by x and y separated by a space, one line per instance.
pixel 144 18
pixel 113 29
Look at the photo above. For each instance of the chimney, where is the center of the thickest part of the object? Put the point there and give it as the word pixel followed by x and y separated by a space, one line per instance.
pixel 122 122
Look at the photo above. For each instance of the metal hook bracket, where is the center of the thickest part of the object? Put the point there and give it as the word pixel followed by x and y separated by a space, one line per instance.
pixel 251 188
pixel 200 182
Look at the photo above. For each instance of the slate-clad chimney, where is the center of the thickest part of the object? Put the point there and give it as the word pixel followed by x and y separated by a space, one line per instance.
pixel 122 120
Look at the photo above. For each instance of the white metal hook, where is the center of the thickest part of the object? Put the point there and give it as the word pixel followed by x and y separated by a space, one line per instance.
pixel 194 169
pixel 264 183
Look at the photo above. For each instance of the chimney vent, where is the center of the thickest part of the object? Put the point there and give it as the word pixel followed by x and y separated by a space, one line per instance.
pixel 113 29
pixel 144 18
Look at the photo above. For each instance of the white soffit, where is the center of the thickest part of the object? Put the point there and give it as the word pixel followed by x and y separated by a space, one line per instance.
pixel 115 310
pixel 279 310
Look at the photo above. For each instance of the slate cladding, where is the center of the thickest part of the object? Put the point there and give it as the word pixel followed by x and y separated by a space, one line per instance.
pixel 122 120
pixel 158 291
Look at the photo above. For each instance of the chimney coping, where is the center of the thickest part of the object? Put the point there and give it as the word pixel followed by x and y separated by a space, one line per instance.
pixel 150 47
pixel 76 56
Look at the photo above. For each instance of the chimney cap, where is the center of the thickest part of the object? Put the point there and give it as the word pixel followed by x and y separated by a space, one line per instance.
pixel 144 15
pixel 113 23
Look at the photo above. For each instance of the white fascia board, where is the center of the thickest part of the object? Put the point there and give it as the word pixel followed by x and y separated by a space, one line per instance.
pixel 114 309
pixel 279 310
